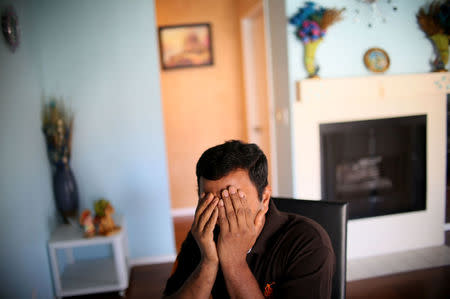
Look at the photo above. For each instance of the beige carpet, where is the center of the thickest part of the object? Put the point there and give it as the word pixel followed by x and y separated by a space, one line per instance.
pixel 398 262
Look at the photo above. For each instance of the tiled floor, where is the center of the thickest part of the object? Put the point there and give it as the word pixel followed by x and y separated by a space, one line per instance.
pixel 398 262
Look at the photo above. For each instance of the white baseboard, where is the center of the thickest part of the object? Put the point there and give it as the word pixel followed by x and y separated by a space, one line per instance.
pixel 182 212
pixel 150 260
pixel 447 226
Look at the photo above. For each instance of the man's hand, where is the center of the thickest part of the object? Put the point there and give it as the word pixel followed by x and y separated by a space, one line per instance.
pixel 238 228
pixel 203 226
pixel 238 232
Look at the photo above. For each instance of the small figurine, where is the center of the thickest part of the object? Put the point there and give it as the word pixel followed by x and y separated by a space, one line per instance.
pixel 103 218
pixel 88 224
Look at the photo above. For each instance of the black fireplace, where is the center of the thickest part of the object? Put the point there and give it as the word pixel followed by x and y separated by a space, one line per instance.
pixel 378 166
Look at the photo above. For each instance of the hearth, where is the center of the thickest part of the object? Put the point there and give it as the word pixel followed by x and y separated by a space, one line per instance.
pixel 378 165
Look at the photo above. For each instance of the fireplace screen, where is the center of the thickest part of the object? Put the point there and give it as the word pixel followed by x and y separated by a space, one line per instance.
pixel 377 166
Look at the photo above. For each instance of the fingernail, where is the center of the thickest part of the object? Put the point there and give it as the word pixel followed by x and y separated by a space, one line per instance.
pixel 221 203
pixel 241 194
pixel 232 189
pixel 225 193
pixel 202 195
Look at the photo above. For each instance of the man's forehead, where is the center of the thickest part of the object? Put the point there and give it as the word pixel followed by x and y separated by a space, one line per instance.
pixel 238 178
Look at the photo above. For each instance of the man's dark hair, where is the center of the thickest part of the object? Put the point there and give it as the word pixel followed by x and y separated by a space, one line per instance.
pixel 218 161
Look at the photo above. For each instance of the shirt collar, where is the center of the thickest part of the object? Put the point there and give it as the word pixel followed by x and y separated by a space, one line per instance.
pixel 274 220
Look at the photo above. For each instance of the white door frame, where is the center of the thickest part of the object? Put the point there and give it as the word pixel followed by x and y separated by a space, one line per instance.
pixel 250 93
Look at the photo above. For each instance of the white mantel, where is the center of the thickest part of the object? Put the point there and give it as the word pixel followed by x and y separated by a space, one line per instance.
pixel 350 99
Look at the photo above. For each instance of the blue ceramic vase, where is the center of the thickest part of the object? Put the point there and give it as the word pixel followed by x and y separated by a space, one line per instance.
pixel 65 191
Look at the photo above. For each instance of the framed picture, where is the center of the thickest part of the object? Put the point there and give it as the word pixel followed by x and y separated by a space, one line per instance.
pixel 185 46
pixel 376 60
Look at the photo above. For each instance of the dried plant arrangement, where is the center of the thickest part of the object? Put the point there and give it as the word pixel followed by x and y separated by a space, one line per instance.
pixel 434 21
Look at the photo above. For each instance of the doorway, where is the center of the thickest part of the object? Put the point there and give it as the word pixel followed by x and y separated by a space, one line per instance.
pixel 205 106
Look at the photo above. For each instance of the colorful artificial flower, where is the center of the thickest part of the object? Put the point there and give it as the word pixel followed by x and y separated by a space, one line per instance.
pixel 312 22
pixel 310 31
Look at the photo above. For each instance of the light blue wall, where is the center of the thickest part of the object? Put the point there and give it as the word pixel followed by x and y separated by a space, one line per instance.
pixel 102 56
pixel 27 213
pixel 341 53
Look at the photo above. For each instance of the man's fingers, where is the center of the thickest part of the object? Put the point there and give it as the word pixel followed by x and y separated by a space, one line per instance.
pixel 209 227
pixel 248 212
pixel 239 208
pixel 202 205
pixel 223 221
pixel 206 215
pixel 229 210
pixel 234 197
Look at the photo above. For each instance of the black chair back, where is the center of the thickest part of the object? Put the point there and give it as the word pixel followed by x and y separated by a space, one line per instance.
pixel 332 216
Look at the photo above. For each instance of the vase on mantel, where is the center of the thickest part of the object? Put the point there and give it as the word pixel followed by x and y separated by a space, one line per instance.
pixel 310 58
pixel 440 43
pixel 65 191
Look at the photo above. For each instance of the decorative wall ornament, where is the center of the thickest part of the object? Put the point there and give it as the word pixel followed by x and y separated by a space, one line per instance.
pixel 434 20
pixel 312 22
pixel 376 60
pixel 10 28
pixel 372 12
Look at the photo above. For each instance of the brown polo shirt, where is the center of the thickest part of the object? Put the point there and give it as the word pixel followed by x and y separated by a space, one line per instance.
pixel 292 258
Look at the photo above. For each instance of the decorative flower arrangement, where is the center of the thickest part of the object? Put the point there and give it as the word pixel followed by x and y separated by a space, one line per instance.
pixel 57 124
pixel 312 22
pixel 434 20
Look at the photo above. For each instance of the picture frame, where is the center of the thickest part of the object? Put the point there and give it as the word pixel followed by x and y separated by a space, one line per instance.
pixel 184 46
pixel 376 60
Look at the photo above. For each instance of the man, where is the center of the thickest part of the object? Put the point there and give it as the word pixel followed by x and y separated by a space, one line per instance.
pixel 240 245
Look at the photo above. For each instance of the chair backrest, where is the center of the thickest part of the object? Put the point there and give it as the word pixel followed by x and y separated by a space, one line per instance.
pixel 332 216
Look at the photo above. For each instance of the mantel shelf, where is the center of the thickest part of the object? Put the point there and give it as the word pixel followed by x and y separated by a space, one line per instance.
pixel 380 86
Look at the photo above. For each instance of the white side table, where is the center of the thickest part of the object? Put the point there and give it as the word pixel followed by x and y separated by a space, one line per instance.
pixel 93 275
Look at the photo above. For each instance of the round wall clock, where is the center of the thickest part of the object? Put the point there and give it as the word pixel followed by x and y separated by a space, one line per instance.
pixel 376 60
pixel 10 28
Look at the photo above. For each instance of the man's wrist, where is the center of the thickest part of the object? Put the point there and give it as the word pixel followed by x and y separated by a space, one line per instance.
pixel 209 261
pixel 234 265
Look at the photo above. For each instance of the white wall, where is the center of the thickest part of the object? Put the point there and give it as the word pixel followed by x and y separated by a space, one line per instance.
pixel 350 99
pixel 278 77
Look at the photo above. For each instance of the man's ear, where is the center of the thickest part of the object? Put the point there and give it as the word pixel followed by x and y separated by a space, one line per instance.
pixel 266 198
